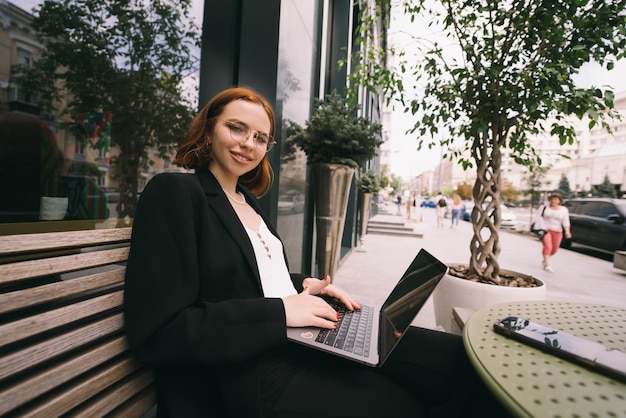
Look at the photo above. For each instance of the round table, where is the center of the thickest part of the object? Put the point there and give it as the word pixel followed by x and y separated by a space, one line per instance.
pixel 531 383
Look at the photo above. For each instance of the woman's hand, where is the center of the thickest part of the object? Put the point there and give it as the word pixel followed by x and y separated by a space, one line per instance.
pixel 325 287
pixel 306 310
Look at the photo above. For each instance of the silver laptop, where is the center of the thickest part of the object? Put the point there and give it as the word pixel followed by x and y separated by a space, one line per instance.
pixel 370 334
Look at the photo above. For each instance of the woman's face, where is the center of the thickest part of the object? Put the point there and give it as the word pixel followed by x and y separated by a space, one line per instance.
pixel 555 201
pixel 232 158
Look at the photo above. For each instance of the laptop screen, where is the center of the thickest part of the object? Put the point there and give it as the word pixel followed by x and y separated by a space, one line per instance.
pixel 407 298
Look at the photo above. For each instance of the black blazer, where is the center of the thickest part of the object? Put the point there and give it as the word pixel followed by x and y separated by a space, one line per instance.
pixel 194 305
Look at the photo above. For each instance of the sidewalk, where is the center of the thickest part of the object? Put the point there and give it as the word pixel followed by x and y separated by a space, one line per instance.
pixel 577 277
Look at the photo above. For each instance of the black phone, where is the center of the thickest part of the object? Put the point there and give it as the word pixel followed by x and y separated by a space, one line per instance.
pixel 587 353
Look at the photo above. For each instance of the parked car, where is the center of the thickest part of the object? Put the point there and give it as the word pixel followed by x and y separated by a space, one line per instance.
pixel 509 219
pixel 466 212
pixel 427 204
pixel 112 194
pixel 598 222
pixel 290 203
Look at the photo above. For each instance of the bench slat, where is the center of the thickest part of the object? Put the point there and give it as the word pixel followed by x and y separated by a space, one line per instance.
pixel 63 351
pixel 43 351
pixel 137 406
pixel 116 395
pixel 27 327
pixel 16 244
pixel 13 272
pixel 26 298
pixel 41 382
pixel 59 403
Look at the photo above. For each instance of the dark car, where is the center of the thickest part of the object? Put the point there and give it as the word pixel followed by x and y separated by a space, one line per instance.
pixel 428 204
pixel 598 222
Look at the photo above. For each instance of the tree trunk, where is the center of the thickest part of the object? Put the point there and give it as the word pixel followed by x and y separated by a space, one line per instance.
pixel 486 215
pixel 128 168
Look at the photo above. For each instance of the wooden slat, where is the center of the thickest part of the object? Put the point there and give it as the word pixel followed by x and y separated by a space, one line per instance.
pixel 13 272
pixel 43 351
pixel 16 244
pixel 137 406
pixel 26 298
pixel 79 372
pixel 27 327
pixel 39 383
pixel 58 404
pixel 116 396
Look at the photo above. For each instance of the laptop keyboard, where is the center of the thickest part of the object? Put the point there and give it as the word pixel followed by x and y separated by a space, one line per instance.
pixel 353 333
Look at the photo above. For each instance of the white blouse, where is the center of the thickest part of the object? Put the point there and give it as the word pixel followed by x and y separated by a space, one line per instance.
pixel 555 219
pixel 268 250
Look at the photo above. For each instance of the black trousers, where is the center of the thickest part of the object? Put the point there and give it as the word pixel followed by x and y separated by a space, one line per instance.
pixel 427 375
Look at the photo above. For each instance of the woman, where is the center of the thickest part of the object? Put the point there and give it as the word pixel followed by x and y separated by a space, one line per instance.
pixel 556 219
pixel 457 208
pixel 208 298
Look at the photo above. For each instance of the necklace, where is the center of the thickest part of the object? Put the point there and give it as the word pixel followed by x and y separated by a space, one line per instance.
pixel 267 248
pixel 234 199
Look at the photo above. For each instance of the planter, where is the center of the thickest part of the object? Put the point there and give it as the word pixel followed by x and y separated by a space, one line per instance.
pixel 455 292
pixel 365 206
pixel 332 187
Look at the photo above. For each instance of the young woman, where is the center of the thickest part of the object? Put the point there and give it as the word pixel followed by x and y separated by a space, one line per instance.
pixel 556 219
pixel 208 298
pixel 457 208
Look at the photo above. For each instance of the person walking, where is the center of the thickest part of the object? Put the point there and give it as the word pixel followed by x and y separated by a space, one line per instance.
pixel 399 204
pixel 208 298
pixel 410 202
pixel 457 208
pixel 440 208
pixel 556 220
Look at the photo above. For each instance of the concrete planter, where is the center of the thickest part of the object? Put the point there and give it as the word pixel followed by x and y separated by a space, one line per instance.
pixel 455 292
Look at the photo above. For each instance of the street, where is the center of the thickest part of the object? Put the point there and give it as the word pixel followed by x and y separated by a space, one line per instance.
pixel 580 275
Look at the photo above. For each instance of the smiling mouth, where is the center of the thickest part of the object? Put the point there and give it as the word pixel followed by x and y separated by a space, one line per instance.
pixel 241 158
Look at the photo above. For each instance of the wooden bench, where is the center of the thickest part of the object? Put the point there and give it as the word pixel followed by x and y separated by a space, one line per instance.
pixel 63 350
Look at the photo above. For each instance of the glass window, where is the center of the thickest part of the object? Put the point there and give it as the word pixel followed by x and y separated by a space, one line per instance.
pixel 296 65
pixel 605 209
pixel 66 172
pixel 22 58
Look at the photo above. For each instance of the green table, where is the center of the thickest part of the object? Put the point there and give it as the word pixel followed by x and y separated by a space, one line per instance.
pixel 531 383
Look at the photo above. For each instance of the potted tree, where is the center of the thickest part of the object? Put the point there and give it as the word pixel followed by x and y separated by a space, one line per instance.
pixel 368 185
pixel 336 142
pixel 506 75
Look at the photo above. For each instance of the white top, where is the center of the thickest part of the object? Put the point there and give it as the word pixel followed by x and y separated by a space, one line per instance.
pixel 268 249
pixel 555 219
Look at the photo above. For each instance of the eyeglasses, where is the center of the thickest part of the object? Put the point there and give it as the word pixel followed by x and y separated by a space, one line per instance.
pixel 240 132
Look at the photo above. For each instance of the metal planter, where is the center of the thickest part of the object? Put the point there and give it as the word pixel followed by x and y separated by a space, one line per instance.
pixel 332 188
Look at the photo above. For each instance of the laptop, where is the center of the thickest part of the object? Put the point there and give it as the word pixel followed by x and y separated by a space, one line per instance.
pixel 370 334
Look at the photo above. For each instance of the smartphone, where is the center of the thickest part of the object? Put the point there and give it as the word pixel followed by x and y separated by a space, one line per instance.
pixel 587 353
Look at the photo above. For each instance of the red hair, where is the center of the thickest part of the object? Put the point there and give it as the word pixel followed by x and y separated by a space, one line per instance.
pixel 196 152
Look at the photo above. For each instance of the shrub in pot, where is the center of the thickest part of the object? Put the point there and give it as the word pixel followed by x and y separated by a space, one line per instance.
pixel 336 142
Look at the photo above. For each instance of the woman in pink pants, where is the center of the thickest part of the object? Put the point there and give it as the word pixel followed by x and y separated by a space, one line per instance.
pixel 556 218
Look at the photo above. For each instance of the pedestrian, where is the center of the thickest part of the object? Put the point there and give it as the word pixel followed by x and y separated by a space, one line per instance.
pixel 399 204
pixel 208 298
pixel 440 208
pixel 410 202
pixel 457 208
pixel 556 220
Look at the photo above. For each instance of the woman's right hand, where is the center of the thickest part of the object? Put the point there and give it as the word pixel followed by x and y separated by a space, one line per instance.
pixel 306 310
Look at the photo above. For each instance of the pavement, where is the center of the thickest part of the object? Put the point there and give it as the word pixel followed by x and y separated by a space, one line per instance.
pixel 580 274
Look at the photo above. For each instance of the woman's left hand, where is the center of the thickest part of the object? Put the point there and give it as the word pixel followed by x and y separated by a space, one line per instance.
pixel 325 287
